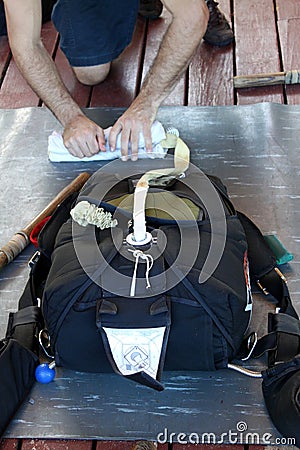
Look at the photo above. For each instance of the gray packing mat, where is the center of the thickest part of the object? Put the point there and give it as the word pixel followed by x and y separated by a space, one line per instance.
pixel 255 151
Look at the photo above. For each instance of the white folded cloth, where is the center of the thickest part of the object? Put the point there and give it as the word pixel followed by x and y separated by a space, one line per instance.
pixel 57 152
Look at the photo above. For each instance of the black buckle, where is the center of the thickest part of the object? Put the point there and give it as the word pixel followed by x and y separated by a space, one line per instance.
pixel 279 273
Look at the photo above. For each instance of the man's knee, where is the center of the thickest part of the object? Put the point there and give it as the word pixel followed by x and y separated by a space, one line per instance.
pixel 91 75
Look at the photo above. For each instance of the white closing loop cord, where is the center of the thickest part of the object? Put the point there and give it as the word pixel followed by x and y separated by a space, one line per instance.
pixel 149 263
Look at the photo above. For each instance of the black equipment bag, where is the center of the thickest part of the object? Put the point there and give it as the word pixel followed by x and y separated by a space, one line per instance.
pixel 18 356
pixel 19 349
pixel 281 390
pixel 204 324
pixel 17 367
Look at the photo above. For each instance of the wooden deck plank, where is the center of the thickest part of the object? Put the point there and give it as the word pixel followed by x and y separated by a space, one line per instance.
pixel 289 32
pixel 206 447
pixel 5 56
pixel 256 48
pixel 9 444
pixel 156 30
pixel 287 9
pixel 288 13
pixel 120 88
pixel 15 92
pixel 49 37
pixel 123 445
pixel 211 72
pixel 80 93
pixel 283 446
pixel 56 444
pixel 210 77
pixel 114 445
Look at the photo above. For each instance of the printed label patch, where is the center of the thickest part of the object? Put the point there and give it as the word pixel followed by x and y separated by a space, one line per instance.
pixel 136 350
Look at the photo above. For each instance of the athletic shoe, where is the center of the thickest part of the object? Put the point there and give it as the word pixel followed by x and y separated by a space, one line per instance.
pixel 150 9
pixel 218 30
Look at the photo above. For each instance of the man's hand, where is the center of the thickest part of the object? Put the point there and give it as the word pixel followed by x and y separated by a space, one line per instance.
pixel 83 137
pixel 138 118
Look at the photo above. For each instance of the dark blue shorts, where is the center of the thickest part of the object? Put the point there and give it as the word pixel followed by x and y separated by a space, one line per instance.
pixel 94 32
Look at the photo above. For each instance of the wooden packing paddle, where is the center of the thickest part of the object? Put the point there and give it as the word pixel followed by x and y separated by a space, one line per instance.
pixel 20 239
pixel 267 79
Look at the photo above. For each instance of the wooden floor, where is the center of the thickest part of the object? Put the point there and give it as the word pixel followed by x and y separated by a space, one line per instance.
pixel 34 444
pixel 267 36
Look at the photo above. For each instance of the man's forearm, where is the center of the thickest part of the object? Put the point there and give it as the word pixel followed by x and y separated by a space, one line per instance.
pixel 41 74
pixel 176 50
pixel 189 22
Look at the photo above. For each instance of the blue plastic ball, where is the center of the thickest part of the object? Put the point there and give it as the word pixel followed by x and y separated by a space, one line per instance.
pixel 44 374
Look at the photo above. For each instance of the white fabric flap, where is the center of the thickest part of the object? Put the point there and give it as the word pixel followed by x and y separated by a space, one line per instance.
pixel 136 350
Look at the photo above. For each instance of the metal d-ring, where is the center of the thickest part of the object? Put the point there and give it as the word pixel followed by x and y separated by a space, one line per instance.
pixel 251 344
pixel 44 341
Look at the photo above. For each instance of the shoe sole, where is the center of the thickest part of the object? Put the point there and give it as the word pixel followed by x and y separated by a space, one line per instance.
pixel 219 44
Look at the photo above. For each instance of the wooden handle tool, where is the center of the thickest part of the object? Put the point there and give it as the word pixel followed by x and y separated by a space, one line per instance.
pixel 267 79
pixel 20 239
